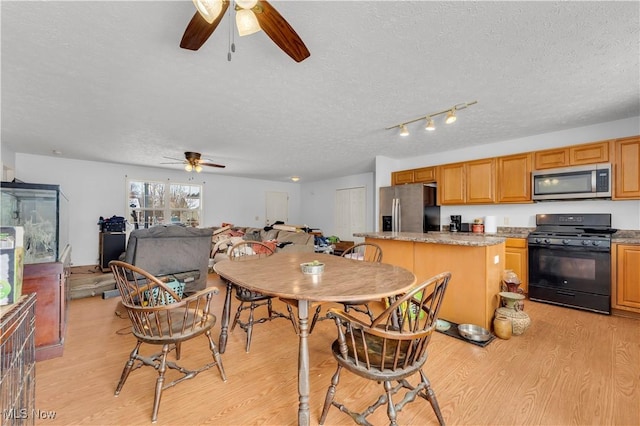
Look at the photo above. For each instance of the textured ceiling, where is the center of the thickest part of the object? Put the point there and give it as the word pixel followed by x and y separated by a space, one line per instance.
pixel 107 81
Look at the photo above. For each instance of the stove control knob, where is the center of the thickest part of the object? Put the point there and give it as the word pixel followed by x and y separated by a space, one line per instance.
pixel 537 240
pixel 565 242
pixel 546 241
pixel 586 242
pixel 596 243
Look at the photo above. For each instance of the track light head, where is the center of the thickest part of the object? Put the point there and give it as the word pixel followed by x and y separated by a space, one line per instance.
pixel 451 116
pixel 403 130
pixel 430 126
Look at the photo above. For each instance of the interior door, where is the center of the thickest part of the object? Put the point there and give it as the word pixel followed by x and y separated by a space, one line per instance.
pixel 350 213
pixel 277 207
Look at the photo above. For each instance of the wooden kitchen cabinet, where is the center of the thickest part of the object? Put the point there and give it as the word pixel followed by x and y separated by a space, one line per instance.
pixel 451 184
pixel 425 175
pixel 402 177
pixel 513 180
pixel 516 258
pixel 471 182
pixel 398 253
pixel 421 175
pixel 480 181
pixel 626 277
pixel 574 155
pixel 626 169
pixel 472 293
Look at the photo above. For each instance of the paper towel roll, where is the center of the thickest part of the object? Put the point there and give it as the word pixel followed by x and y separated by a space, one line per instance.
pixel 490 225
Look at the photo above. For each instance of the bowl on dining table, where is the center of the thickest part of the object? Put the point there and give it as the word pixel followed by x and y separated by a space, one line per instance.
pixel 474 332
pixel 312 268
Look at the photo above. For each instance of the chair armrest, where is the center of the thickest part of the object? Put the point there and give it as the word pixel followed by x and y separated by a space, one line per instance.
pixel 345 317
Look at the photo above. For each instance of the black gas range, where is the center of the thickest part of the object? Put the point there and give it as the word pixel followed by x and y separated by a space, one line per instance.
pixel 570 260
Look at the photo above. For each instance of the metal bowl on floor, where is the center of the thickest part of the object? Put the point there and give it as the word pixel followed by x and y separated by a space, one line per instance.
pixel 474 332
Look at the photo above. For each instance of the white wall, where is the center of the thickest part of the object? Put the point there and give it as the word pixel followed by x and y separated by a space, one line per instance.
pixel 318 201
pixel 625 214
pixel 97 189
pixel 8 161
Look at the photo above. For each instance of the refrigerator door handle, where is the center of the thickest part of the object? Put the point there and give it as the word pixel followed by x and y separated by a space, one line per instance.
pixel 399 216
pixel 393 215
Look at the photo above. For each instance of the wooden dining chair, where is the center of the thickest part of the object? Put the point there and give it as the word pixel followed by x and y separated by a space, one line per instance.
pixel 391 348
pixel 160 316
pixel 251 300
pixel 366 252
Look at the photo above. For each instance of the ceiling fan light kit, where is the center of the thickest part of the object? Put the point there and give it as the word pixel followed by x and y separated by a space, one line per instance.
pixel 429 125
pixel 251 16
pixel 246 22
pixel 193 162
pixel 208 9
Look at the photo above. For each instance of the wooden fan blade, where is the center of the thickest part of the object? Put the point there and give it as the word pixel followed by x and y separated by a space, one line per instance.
pixel 282 34
pixel 212 165
pixel 199 30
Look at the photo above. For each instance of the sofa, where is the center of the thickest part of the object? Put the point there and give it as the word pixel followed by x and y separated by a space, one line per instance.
pixel 172 250
pixel 283 239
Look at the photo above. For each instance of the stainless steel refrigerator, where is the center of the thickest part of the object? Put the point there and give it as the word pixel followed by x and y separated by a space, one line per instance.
pixel 409 208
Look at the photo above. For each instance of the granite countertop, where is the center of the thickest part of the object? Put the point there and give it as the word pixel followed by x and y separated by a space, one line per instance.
pixel 624 236
pixel 470 239
pixel 450 238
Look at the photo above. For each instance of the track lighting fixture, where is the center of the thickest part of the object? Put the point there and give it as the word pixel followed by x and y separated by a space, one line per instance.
pixel 430 126
pixel 451 117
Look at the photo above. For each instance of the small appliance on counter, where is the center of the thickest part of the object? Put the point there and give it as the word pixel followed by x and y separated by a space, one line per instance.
pixel 456 222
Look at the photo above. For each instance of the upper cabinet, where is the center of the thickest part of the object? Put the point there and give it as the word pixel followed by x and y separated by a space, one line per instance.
pixel 471 182
pixel 572 155
pixel 627 168
pixel 425 175
pixel 514 178
pixel 507 179
pixel 402 177
pixel 421 175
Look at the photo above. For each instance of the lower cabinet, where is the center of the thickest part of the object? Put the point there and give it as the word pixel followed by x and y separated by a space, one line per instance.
pixel 516 258
pixel 476 272
pixel 626 277
pixel 49 282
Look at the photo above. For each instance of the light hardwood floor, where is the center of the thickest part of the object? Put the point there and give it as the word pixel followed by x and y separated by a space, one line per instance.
pixel 570 367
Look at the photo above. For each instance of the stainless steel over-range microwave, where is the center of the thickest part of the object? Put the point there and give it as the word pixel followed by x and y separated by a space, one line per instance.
pixel 568 183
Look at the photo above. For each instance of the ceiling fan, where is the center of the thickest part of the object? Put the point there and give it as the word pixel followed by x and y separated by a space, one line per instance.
pixel 251 16
pixel 193 161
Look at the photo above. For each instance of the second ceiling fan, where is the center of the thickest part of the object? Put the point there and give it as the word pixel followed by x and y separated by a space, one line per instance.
pixel 251 16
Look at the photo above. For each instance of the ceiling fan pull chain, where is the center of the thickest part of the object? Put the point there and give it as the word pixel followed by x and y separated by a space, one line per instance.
pixel 232 44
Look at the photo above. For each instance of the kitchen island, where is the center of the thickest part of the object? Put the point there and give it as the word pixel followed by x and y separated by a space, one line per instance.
pixel 476 263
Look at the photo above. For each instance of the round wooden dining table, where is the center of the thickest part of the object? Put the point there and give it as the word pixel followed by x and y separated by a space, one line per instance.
pixel 343 280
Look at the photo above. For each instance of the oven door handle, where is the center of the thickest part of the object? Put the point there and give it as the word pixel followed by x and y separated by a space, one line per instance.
pixel 581 249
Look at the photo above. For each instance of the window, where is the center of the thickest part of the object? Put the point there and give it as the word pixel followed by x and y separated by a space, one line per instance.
pixel 156 203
